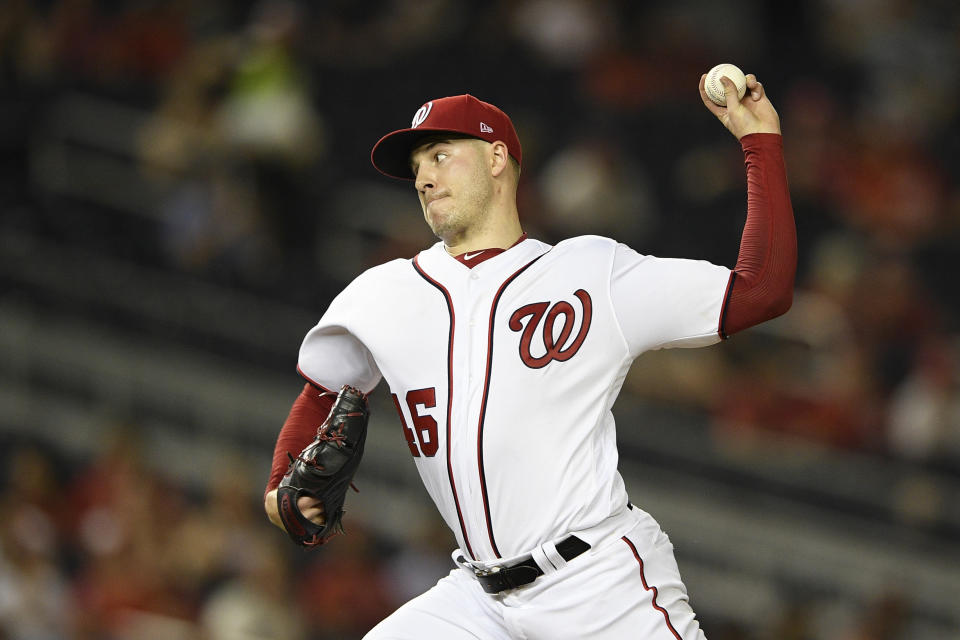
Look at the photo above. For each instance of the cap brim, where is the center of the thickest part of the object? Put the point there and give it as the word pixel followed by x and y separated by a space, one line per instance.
pixel 391 154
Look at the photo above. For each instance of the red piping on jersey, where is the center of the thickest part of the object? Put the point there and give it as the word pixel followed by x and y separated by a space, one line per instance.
pixel 653 600
pixel 483 402
pixel 453 484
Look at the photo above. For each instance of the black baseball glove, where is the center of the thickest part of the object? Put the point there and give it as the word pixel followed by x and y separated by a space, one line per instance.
pixel 324 470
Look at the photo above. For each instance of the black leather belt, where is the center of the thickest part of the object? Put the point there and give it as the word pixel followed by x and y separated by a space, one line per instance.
pixel 497 579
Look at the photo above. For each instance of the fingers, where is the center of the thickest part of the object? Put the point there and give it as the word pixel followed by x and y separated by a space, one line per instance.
pixel 730 91
pixel 312 509
pixel 707 102
pixel 743 116
pixel 703 85
pixel 754 90
pixel 754 87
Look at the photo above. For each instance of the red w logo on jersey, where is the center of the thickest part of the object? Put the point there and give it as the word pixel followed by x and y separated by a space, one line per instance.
pixel 555 347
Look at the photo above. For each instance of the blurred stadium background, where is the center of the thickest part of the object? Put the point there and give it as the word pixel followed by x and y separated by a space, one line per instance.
pixel 186 184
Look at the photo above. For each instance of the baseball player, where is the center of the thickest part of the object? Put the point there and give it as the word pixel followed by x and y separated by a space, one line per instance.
pixel 504 355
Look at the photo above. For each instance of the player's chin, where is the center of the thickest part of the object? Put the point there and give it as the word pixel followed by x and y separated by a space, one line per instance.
pixel 442 233
pixel 431 221
pixel 442 224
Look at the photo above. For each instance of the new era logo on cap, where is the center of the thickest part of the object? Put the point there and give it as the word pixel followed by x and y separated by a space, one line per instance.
pixel 454 114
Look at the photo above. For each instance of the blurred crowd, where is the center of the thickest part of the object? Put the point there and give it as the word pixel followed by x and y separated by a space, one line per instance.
pixel 260 119
pixel 110 548
pixel 260 116
pixel 257 122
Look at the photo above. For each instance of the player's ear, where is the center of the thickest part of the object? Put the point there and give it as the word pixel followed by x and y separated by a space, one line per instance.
pixel 499 158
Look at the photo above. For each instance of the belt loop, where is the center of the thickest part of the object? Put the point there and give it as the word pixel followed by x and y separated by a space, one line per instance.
pixel 542 559
pixel 553 556
pixel 459 559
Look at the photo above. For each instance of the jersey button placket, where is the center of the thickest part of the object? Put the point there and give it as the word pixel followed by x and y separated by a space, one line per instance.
pixel 474 324
pixel 476 370
pixel 471 331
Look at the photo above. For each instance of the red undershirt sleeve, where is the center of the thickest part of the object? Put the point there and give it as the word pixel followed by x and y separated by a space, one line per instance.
pixel 761 285
pixel 308 412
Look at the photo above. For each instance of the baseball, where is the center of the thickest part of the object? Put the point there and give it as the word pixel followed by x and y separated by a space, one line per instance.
pixel 714 87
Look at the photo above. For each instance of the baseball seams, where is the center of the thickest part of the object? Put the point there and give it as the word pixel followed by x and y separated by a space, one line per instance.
pixel 714 87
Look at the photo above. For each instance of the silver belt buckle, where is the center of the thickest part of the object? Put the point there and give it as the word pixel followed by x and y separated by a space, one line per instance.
pixel 482 573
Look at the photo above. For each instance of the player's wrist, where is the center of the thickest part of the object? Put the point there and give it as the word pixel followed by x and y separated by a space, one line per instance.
pixel 752 128
pixel 758 139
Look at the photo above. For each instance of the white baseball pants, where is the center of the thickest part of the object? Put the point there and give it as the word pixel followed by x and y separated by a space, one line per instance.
pixel 624 587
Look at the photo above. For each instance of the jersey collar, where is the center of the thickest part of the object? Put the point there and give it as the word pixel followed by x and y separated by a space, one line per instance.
pixel 470 259
pixel 443 267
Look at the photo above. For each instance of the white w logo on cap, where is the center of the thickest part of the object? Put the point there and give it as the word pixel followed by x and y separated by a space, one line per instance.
pixel 421 115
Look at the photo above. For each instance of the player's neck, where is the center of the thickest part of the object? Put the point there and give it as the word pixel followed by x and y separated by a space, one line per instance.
pixel 498 236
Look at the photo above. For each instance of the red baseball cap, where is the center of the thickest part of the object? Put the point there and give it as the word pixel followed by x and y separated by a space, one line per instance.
pixel 455 114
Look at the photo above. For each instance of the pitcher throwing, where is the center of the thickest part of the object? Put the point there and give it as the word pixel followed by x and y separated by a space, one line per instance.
pixel 504 355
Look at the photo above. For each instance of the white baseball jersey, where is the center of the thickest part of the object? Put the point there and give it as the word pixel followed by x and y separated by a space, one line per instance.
pixel 505 374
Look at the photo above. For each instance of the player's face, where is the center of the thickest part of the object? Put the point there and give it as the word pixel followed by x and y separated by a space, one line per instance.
pixel 454 184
